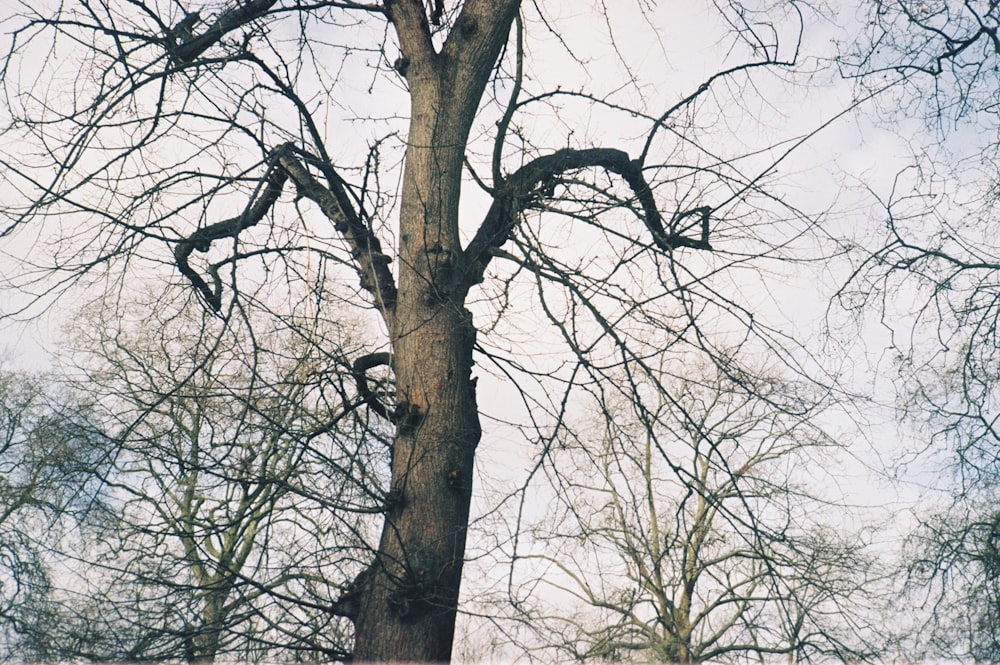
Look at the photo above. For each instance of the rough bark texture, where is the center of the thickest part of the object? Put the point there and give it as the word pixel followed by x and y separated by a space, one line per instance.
pixel 407 609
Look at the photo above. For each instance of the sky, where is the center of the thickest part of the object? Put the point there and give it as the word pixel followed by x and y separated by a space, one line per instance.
pixel 672 49
pixel 837 176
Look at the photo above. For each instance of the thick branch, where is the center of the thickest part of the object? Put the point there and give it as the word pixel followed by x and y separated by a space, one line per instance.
pixel 480 33
pixel 481 23
pixel 284 163
pixel 202 239
pixel 360 369
pixel 237 16
pixel 533 182
pixel 410 21
pixel 373 264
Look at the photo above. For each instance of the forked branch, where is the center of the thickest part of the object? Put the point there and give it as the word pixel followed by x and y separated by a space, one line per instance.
pixel 202 239
pixel 187 46
pixel 284 162
pixel 534 182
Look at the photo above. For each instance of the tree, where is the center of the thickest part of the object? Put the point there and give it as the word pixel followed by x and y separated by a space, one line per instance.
pixel 939 216
pixel 952 572
pixel 212 538
pixel 48 462
pixel 189 115
pixel 940 54
pixel 693 532
pixel 20 489
pixel 940 258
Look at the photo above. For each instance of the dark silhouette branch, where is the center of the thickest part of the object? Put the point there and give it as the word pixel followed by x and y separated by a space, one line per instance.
pixel 243 12
pixel 532 183
pixel 202 239
pixel 360 369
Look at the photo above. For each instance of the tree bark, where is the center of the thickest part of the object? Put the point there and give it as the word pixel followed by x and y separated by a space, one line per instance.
pixel 409 598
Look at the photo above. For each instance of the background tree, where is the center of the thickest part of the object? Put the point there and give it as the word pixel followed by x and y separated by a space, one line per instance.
pixel 939 213
pixel 234 145
pixel 20 489
pixel 229 507
pixel 932 278
pixel 48 460
pixel 952 574
pixel 693 531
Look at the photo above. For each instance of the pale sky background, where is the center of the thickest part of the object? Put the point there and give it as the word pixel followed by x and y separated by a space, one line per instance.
pixel 829 172
pixel 833 175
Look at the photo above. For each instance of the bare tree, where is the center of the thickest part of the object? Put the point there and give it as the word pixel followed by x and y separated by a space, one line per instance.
pixel 238 144
pixel 952 573
pixel 939 214
pixel 932 278
pixel 694 531
pixel 49 457
pixel 229 509
pixel 940 54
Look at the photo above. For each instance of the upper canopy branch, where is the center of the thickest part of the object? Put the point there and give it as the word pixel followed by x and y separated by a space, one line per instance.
pixel 533 182
pixel 372 263
pixel 201 239
pixel 469 52
pixel 410 21
pixel 188 46
pixel 286 161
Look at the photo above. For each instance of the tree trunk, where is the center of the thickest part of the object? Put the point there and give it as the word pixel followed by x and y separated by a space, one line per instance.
pixel 408 601
pixel 408 610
